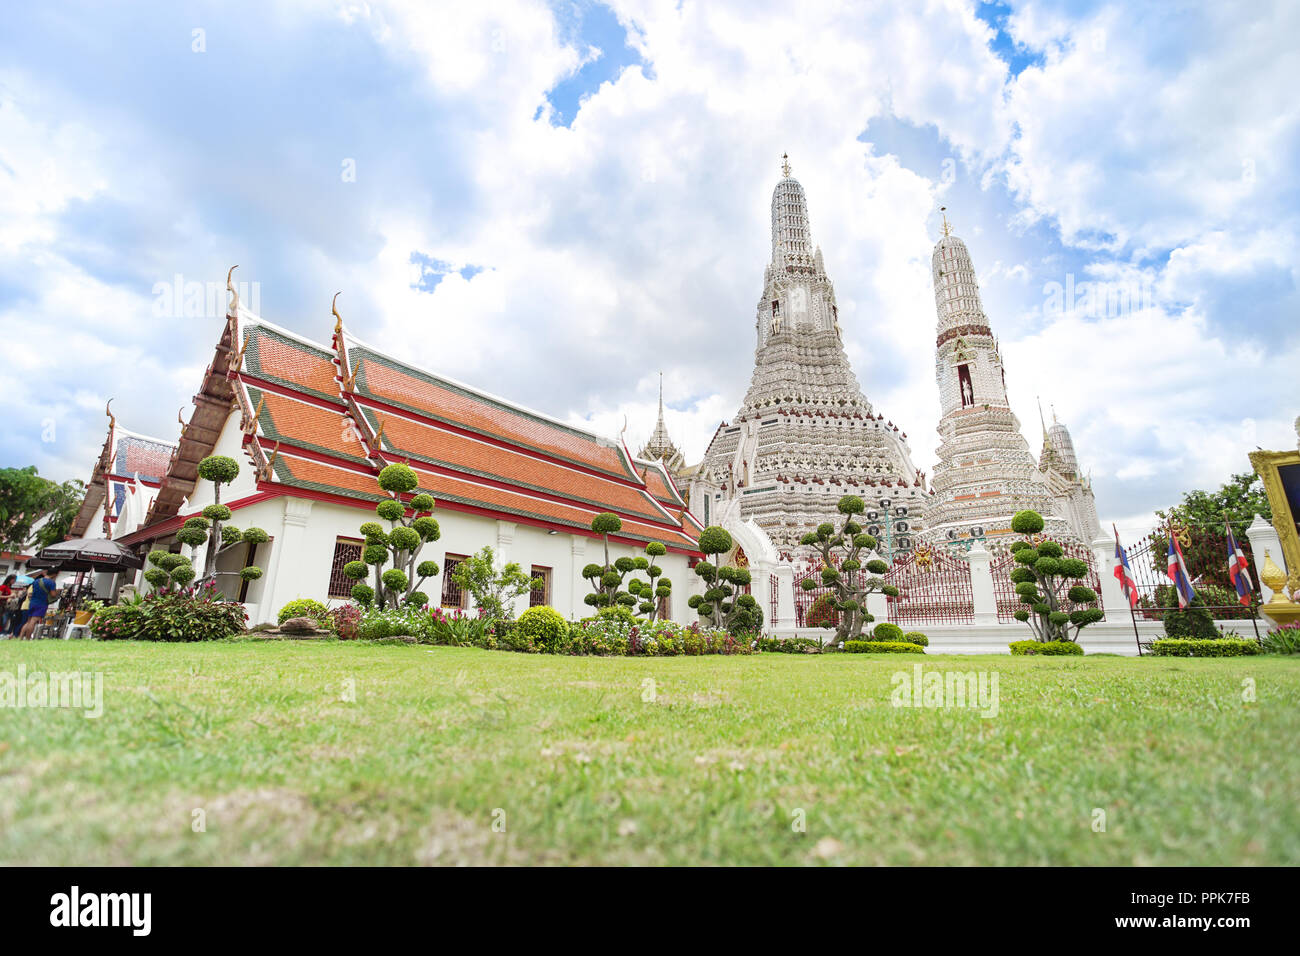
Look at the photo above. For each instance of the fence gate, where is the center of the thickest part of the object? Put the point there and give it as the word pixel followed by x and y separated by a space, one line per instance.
pixel 933 588
pixel 1005 591
pixel 804 600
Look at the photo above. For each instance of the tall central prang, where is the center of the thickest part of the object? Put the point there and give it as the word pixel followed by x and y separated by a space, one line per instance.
pixel 805 434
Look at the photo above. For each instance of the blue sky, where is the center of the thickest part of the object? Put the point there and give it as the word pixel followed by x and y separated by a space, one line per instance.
pixel 557 201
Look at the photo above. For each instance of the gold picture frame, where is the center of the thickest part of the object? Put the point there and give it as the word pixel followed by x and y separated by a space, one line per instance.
pixel 1268 465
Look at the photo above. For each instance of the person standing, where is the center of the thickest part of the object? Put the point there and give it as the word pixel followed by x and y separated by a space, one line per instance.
pixel 8 604
pixel 41 592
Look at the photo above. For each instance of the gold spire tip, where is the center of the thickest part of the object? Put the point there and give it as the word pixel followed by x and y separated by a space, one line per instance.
pixel 785 164
pixel 947 229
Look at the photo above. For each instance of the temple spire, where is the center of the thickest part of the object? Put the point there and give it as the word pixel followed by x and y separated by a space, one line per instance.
pixel 947 229
pixel 785 165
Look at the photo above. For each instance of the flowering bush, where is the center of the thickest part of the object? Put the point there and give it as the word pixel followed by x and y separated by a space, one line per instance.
pixel 186 614
pixel 345 621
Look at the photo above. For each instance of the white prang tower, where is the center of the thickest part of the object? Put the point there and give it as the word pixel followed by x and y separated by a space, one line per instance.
pixel 805 434
pixel 985 471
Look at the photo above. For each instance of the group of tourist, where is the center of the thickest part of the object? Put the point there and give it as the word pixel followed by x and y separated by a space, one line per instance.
pixel 25 606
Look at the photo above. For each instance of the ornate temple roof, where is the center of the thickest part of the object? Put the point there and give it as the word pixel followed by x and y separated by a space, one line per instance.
pixel 805 433
pixel 660 446
pixel 1058 452
pixel 321 420
pixel 127 457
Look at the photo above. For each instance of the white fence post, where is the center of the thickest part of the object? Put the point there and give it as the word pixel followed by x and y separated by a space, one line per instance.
pixel 981 584
pixel 1112 595
pixel 1263 536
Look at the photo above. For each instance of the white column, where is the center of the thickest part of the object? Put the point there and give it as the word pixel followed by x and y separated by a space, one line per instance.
pixel 285 550
pixel 981 584
pixel 1263 537
pixel 505 544
pixel 577 589
pixel 1113 601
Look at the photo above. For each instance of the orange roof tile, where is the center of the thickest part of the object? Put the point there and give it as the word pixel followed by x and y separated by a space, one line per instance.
pixel 271 355
pixel 440 446
pixel 386 380
pixel 306 425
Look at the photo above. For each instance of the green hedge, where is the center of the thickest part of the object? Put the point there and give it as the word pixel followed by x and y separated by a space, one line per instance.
pixel 1045 648
pixel 789 645
pixel 1218 647
pixel 882 647
pixel 887 632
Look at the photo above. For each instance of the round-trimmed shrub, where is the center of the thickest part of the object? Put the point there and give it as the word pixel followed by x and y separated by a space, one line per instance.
pixel 304 607
pixel 217 512
pixel 715 540
pixel 885 631
pixel 916 637
pixel 545 627
pixel 390 510
pixel 398 478
pixel 218 469
pixel 606 523
pixel 404 539
pixel 1027 522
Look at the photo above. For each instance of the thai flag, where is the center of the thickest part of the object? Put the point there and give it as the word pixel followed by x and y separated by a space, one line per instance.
pixel 1178 573
pixel 1238 569
pixel 1124 572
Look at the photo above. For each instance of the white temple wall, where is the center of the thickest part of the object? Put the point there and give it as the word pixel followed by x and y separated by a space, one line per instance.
pixel 298 560
pixel 231 444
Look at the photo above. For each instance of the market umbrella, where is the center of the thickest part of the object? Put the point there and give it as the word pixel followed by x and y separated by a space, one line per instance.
pixel 85 554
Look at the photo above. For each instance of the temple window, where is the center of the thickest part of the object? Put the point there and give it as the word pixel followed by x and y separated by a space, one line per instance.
pixel 345 550
pixel 453 596
pixel 542 595
pixel 964 385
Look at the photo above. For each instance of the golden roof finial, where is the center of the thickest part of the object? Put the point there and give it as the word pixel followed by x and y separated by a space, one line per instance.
pixel 785 164
pixel 338 319
pixel 108 410
pixel 233 307
pixel 947 229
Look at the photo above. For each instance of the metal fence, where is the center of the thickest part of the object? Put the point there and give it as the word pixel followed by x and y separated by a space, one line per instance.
pixel 1155 590
pixel 933 588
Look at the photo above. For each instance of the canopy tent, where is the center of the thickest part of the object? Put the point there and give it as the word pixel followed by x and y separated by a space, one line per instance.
pixel 85 554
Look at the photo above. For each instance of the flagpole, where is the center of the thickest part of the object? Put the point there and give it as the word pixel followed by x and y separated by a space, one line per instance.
pixel 1137 638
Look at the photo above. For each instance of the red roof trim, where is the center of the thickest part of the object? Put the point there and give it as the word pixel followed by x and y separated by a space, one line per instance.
pixel 173 523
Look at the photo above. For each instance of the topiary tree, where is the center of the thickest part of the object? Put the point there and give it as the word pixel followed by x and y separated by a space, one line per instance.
pixel 723 604
pixel 401 545
pixel 210 526
pixel 494 591
pixel 1043 581
pixel 607 580
pixel 168 570
pixel 842 554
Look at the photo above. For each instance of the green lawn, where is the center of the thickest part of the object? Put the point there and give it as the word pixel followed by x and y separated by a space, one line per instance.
pixel 254 734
